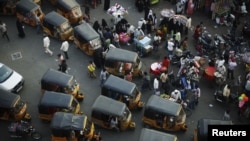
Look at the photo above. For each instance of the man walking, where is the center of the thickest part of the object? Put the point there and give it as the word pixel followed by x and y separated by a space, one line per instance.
pixel 38 23
pixel 65 48
pixel 3 29
pixel 46 44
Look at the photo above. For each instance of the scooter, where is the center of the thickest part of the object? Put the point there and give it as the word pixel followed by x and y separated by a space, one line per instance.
pixel 23 129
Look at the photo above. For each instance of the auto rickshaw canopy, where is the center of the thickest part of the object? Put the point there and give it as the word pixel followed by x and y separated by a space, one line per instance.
pixel 86 32
pixel 153 135
pixel 56 77
pixel 8 99
pixel 202 127
pixel 55 99
pixel 122 55
pixel 109 106
pixel 164 106
pixel 54 18
pixel 26 6
pixel 67 5
pixel 68 122
pixel 119 85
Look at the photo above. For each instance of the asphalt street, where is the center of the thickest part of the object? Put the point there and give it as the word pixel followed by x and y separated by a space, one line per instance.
pixel 33 63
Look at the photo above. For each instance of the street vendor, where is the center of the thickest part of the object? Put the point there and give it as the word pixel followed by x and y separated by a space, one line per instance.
pixel 139 34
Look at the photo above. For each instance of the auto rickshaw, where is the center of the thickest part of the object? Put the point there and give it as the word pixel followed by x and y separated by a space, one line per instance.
pixel 26 11
pixel 104 108
pixel 56 26
pixel 12 107
pixel 119 61
pixel 164 114
pixel 201 132
pixel 153 135
pixel 52 102
pixel 86 38
pixel 72 127
pixel 122 90
pixel 57 81
pixel 71 10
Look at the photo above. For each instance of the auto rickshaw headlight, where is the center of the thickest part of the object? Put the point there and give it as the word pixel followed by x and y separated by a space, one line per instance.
pixel 171 119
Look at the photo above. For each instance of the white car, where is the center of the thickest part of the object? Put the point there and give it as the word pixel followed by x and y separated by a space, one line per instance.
pixel 10 80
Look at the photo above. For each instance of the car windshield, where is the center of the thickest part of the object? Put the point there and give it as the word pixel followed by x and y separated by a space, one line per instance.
pixel 5 73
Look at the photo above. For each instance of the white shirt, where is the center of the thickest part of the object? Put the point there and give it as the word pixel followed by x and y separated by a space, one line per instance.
pixel 3 27
pixel 188 23
pixel 170 46
pixel 156 84
pixel 46 41
pixel 113 122
pixel 176 94
pixel 65 46
pixel 131 29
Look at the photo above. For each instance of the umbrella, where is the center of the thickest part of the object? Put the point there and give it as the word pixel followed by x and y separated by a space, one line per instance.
pixel 179 18
pixel 167 13
pixel 117 9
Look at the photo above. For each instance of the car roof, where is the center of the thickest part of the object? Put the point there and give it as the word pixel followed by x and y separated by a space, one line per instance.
pixel 123 55
pixel 86 31
pixel 108 106
pixel 120 85
pixel 162 105
pixel 8 99
pixel 68 121
pixel 67 4
pixel 55 99
pixel 26 5
pixel 153 135
pixel 54 18
pixel 57 77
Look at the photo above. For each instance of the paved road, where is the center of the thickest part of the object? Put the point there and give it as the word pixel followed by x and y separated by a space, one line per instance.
pixel 35 62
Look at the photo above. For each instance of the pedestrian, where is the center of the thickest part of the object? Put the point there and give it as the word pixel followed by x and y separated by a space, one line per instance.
pixel 3 29
pixel 170 48
pixel 104 24
pixel 176 95
pixel 146 81
pixel 179 7
pixel 116 40
pixel 60 59
pixel 164 79
pixel 64 67
pixel 227 92
pixel 65 48
pixel 46 44
pixel 198 93
pixel 38 22
pixel 91 68
pixel 188 25
pixel 156 86
pixel 184 44
pixel 106 5
pixel 231 67
pixel 103 76
pixel 226 115
pixel 20 28
pixel 156 42
pixel 165 62
pixel 183 62
pixel 87 14
pixel 128 76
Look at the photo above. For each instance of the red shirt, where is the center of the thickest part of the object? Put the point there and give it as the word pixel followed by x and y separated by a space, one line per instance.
pixel 165 62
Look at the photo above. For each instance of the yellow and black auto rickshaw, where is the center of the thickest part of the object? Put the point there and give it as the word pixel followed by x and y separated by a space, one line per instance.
pixel 86 38
pixel 153 135
pixel 71 10
pixel 57 26
pixel 12 107
pixel 8 7
pixel 201 131
pixel 119 61
pixel 57 81
pixel 104 108
pixel 72 127
pixel 27 10
pixel 164 114
pixel 52 102
pixel 122 90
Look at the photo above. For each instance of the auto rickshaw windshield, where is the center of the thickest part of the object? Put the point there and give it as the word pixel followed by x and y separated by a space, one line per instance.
pixel 18 106
pixel 125 115
pixel 65 26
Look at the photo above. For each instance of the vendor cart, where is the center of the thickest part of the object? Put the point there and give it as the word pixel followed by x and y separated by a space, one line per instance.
pixel 143 46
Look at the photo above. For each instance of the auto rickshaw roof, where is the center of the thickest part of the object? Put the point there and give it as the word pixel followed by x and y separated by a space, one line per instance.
pixel 109 106
pixel 54 18
pixel 57 77
pixel 55 99
pixel 120 85
pixel 202 127
pixel 86 31
pixel 153 135
pixel 68 121
pixel 27 5
pixel 67 4
pixel 123 55
pixel 164 106
pixel 8 99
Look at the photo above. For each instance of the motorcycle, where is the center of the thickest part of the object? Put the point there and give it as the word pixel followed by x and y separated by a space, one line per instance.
pixel 23 129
